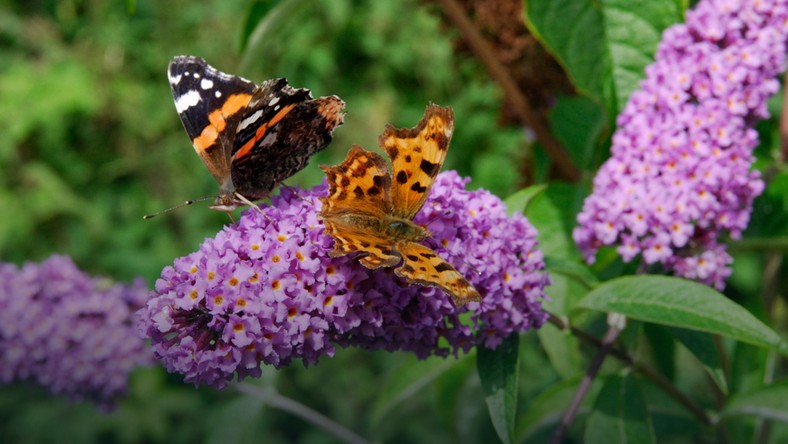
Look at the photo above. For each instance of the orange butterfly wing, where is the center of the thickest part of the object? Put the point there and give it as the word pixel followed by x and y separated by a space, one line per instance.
pixel 423 266
pixel 417 155
pixel 357 203
pixel 370 211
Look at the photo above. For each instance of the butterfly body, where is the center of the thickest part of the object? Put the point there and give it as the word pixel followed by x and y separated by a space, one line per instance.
pixel 370 209
pixel 405 230
pixel 250 137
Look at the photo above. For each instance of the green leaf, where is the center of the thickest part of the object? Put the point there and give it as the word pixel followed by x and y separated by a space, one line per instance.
pixel 768 402
pixel 256 13
pixel 681 303
pixel 448 387
pixel 577 123
pixel 749 368
pixel 663 348
pixel 519 201
pixel 270 21
pixel 573 270
pixel 633 30
pixel 703 347
pixel 545 213
pixel 408 380
pixel 236 419
pixel 562 350
pixel 569 282
pixel 619 414
pixel 498 374
pixel 601 53
pixel 543 414
pixel 580 48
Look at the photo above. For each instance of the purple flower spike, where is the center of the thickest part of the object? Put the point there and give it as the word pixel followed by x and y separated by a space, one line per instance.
pixel 679 177
pixel 69 332
pixel 266 291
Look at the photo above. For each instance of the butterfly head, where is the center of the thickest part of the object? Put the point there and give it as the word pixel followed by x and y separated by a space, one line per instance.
pixel 226 202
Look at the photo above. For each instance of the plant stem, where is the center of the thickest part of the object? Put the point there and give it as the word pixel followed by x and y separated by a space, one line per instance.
pixel 607 344
pixel 658 379
pixel 499 73
pixel 274 400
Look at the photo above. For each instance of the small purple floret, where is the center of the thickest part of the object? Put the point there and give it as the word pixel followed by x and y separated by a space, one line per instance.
pixel 266 291
pixel 69 332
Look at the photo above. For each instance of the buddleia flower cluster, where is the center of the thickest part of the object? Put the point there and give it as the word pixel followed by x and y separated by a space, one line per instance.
pixel 265 291
pixel 69 332
pixel 679 177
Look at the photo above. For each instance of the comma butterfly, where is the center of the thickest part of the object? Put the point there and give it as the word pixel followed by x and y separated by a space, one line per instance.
pixel 370 211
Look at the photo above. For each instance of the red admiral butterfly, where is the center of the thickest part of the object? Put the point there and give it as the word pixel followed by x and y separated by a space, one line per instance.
pixel 249 137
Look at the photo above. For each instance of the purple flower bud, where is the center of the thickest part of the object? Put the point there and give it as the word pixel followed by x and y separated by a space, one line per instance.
pixel 69 332
pixel 266 291
pixel 679 177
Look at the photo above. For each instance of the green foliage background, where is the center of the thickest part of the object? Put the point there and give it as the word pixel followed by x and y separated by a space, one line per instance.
pixel 90 141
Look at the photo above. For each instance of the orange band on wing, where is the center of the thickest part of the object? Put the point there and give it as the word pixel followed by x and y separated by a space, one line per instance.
pixel 244 150
pixel 218 120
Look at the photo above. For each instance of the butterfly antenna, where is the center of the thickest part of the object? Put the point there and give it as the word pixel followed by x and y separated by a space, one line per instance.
pixel 251 204
pixel 187 203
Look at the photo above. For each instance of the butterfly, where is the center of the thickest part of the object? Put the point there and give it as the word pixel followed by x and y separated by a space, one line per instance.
pixel 370 210
pixel 250 137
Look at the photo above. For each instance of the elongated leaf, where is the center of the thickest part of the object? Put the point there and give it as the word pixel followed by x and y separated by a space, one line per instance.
pixel 409 379
pixel 448 387
pixel 551 221
pixel 702 346
pixel 580 48
pixel 631 51
pixel 577 123
pixel 602 55
pixel 747 364
pixel 540 419
pixel 663 346
pixel 562 350
pixel 263 22
pixel 255 14
pixel 620 414
pixel 236 419
pixel 769 402
pixel 681 303
pixel 498 374
pixel 573 270
pixel 519 201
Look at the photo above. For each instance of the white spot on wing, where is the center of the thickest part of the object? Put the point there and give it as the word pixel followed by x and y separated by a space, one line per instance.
pixel 187 100
pixel 249 120
pixel 274 101
pixel 217 94
pixel 206 84
pixel 174 80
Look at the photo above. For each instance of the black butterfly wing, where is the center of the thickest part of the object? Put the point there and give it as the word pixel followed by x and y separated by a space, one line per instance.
pixel 209 102
pixel 282 128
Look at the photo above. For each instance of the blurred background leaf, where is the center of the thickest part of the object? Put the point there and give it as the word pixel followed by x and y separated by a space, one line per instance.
pixel 91 142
